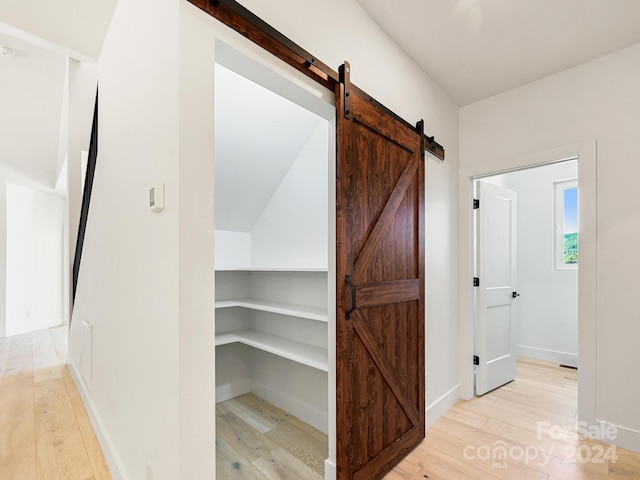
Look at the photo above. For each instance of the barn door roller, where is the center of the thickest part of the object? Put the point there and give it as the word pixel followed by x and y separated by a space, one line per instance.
pixel 345 78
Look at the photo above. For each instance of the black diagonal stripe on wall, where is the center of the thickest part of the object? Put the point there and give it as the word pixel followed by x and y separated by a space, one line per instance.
pixel 86 197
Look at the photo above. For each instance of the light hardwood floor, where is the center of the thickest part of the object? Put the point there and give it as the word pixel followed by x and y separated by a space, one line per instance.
pixel 256 440
pixel 460 444
pixel 45 433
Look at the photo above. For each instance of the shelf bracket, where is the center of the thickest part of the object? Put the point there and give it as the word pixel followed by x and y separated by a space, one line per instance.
pixel 347 279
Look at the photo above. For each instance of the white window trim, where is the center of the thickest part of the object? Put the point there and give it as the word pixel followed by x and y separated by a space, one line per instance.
pixel 559 187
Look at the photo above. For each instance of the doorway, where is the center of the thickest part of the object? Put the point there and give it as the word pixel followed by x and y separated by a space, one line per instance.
pixel 274 264
pixel 538 318
pixel 587 273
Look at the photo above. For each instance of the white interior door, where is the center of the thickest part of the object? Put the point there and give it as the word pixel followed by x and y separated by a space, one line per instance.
pixel 496 292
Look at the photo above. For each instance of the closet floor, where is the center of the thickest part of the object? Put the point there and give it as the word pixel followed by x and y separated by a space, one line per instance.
pixel 257 440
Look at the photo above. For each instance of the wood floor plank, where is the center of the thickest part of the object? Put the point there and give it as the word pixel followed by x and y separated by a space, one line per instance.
pixel 45 359
pixel 44 430
pixel 232 466
pixel 17 420
pixel 277 415
pixel 281 465
pixel 439 465
pixel 60 341
pixel 309 450
pixel 256 419
pixel 452 446
pixel 91 445
pixel 59 443
pixel 259 440
pixel 243 438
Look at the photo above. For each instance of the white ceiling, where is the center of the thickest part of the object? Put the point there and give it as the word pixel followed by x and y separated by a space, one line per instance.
pixel 477 48
pixel 32 83
pixel 31 91
pixel 74 28
pixel 471 48
pixel 258 136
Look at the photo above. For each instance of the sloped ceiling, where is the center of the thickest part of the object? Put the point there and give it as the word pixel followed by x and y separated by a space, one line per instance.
pixel 477 48
pixel 31 98
pixel 258 136
pixel 43 35
pixel 76 28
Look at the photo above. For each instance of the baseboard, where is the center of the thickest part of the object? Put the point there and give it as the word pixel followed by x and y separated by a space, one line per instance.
pixel 305 412
pixel 626 438
pixel 232 390
pixel 330 470
pixel 113 461
pixel 438 407
pixel 562 358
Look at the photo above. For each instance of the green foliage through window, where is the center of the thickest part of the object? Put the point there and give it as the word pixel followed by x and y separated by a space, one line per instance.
pixel 570 248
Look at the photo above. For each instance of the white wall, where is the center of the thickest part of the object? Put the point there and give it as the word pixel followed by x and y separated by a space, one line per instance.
pixel 292 229
pixel 598 101
pixel 34 242
pixel 131 271
pixel 3 258
pixel 547 310
pixel 232 250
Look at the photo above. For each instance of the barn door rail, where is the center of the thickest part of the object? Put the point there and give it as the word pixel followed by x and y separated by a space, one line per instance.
pixel 245 22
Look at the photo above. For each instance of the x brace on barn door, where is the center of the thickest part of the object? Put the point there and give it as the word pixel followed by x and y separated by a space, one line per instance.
pixel 243 21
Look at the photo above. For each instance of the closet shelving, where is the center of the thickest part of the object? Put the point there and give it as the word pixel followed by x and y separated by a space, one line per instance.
pixel 297 351
pixel 273 211
pixel 300 311
pixel 305 354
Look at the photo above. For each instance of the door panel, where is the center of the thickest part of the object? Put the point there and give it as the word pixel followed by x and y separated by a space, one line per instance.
pixel 380 288
pixel 495 340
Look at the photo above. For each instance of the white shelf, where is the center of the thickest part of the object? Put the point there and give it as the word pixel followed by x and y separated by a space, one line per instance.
pixel 299 352
pixel 301 269
pixel 301 311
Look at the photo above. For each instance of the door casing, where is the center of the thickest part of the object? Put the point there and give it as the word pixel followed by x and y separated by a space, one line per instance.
pixel 587 274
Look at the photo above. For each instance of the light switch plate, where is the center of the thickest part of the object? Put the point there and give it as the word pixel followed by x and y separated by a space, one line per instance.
pixel 156 198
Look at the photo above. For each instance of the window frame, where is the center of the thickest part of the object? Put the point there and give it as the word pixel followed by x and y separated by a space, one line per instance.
pixel 559 187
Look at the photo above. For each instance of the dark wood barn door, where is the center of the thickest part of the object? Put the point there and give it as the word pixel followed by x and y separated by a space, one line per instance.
pixel 380 285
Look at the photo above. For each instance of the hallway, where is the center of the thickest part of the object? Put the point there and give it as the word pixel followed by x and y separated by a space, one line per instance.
pixel 45 433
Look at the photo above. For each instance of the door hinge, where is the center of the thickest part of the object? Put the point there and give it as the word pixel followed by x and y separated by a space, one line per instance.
pixel 476 360
pixel 476 203
pixel 476 282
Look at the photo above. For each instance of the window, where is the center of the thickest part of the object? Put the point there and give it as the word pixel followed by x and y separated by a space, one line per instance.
pixel 566 224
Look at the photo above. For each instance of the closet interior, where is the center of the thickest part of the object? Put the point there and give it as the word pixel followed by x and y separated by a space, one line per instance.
pixel 272 274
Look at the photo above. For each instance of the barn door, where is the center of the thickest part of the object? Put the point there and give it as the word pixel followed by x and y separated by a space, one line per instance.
pixel 380 285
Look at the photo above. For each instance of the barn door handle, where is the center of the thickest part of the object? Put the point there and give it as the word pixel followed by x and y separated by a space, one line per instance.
pixel 347 278
pixel 515 294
